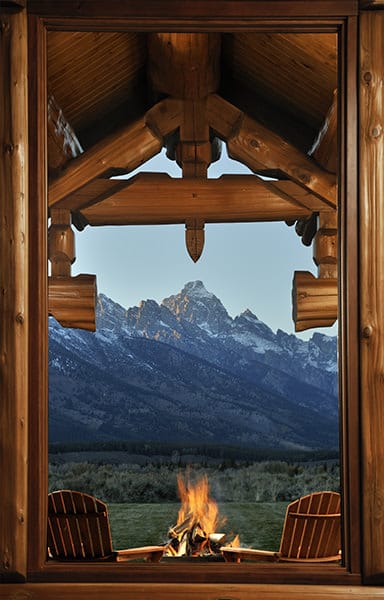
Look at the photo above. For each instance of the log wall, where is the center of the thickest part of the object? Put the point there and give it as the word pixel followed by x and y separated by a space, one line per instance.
pixel 14 342
pixel 372 289
pixel 14 294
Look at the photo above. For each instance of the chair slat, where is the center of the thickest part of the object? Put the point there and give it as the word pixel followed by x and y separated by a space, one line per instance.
pixel 312 527
pixel 78 526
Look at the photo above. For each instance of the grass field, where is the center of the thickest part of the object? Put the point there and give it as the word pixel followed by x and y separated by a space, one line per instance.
pixel 258 524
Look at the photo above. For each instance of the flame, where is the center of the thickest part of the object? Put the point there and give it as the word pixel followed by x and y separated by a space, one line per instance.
pixel 195 501
pixel 235 542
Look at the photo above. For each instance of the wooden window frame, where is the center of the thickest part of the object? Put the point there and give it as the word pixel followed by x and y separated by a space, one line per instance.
pixel 340 17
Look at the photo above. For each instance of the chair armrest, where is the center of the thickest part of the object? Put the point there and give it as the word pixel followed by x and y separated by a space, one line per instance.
pixel 150 553
pixel 238 554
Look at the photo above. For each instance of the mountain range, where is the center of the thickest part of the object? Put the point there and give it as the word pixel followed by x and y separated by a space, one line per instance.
pixel 185 371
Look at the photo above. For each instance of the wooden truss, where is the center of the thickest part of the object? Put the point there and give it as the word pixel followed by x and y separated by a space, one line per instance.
pixel 190 121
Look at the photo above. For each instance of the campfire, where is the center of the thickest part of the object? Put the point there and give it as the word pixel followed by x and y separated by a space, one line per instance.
pixel 195 533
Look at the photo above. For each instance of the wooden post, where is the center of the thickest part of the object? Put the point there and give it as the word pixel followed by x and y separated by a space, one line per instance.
pixel 372 290
pixel 325 246
pixel 13 294
pixel 71 300
pixel 61 243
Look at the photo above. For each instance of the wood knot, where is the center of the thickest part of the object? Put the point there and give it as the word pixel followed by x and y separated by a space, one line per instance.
pixel 254 143
pixel 305 178
pixel 376 131
pixel 20 318
pixel 367 77
pixel 367 331
pixel 5 26
pixel 9 148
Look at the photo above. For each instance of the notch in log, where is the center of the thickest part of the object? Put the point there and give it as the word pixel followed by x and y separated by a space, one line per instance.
pixel 72 301
pixel 314 301
pixel 194 238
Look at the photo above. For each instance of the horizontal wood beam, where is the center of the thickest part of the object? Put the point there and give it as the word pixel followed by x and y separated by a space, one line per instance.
pixel 259 148
pixel 153 11
pixel 152 198
pixel 72 301
pixel 127 149
pixel 189 591
pixel 315 301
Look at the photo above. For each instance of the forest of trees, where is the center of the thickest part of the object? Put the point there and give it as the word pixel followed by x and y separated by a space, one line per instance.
pixel 266 481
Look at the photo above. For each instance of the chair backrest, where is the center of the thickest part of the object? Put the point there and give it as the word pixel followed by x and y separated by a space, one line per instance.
pixel 312 528
pixel 78 527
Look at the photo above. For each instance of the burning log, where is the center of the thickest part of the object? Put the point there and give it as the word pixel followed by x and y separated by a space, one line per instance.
pixel 194 533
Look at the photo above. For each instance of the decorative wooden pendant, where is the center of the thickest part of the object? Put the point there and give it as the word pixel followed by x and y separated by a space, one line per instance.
pixel 194 238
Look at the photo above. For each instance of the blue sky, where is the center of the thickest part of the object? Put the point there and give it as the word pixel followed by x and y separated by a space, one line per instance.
pixel 247 265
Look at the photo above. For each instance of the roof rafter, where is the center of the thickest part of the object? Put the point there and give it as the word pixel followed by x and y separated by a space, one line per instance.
pixel 259 148
pixel 127 149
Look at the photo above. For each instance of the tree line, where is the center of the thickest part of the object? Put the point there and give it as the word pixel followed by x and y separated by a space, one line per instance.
pixel 215 451
pixel 266 481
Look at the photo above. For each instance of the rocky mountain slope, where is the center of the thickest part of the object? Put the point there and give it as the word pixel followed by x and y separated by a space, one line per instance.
pixel 185 371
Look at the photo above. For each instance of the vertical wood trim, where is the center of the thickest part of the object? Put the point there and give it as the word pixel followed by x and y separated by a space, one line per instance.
pixel 372 290
pixel 38 298
pixel 13 294
pixel 348 290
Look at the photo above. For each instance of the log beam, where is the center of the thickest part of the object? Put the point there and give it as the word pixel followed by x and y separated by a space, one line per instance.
pixel 325 150
pixel 72 301
pixel 259 148
pixel 151 198
pixel 63 144
pixel 184 65
pixel 127 149
pixel 314 301
pixel 14 295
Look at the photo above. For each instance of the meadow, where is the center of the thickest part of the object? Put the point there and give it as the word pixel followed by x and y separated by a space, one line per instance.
pixel 258 524
pixel 143 501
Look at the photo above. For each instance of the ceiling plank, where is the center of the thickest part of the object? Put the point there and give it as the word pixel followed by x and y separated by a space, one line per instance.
pixel 258 147
pixel 127 149
pixel 152 198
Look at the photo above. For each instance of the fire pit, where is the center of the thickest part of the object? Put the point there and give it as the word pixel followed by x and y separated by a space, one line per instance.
pixel 195 533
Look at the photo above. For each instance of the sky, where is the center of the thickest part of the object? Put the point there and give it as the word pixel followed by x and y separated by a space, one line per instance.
pixel 246 265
